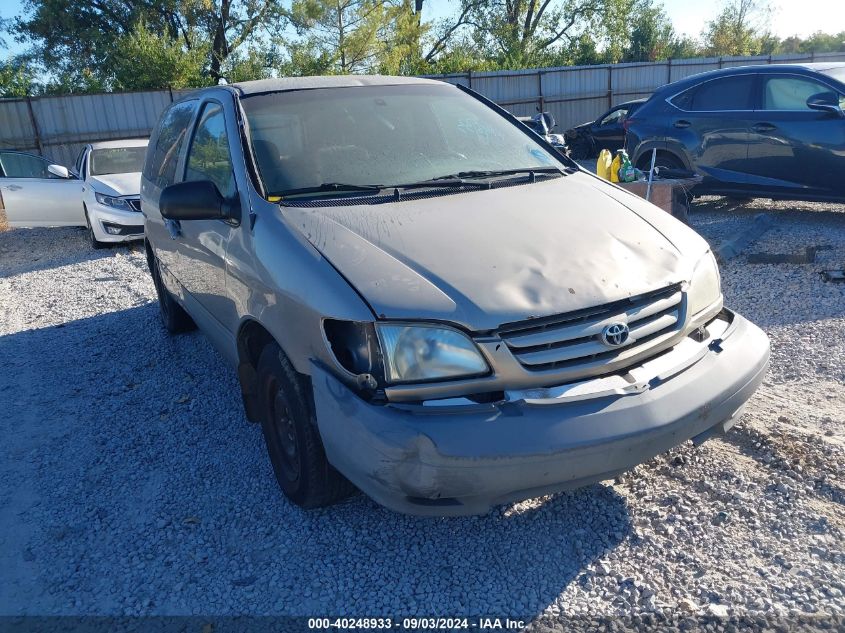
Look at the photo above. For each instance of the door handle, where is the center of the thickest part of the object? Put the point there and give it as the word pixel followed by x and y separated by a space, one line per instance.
pixel 764 127
pixel 682 123
pixel 13 187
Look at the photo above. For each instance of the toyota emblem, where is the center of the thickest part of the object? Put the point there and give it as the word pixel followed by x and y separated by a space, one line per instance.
pixel 615 334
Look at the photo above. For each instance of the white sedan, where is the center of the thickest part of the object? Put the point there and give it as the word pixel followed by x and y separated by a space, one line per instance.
pixel 111 185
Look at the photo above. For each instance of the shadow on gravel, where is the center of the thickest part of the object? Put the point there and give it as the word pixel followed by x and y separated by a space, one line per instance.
pixel 29 250
pixel 780 455
pixel 155 495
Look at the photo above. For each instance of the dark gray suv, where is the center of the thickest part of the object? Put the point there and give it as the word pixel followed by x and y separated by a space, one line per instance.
pixel 424 299
pixel 775 131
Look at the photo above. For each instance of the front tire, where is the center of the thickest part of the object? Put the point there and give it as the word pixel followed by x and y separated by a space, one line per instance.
pixel 95 243
pixel 173 316
pixel 580 149
pixel 290 432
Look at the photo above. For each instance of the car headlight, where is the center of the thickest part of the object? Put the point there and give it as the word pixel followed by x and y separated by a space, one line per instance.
pixel 111 201
pixel 427 352
pixel 705 286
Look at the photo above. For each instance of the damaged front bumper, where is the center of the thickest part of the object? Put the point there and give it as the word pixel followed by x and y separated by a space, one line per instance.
pixel 459 459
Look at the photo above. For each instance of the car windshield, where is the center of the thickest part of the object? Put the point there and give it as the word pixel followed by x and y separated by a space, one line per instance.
pixel 117 160
pixel 381 135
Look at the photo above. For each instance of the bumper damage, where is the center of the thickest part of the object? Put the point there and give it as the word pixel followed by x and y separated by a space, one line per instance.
pixel 464 459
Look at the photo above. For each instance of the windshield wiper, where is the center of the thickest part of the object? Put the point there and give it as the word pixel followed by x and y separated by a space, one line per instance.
pixel 491 173
pixel 329 187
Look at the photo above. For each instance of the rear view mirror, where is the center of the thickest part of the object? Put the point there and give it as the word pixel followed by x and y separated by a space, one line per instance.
pixel 825 102
pixel 58 170
pixel 196 200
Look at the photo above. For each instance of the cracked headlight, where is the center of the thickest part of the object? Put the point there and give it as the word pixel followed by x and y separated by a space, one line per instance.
pixel 111 201
pixel 427 352
pixel 705 285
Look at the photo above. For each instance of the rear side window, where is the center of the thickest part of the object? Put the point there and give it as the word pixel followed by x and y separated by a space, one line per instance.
pixel 727 93
pixel 783 92
pixel 165 146
pixel 209 157
pixel 24 166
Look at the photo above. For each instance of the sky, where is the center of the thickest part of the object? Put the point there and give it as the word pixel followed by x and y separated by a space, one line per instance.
pixel 789 17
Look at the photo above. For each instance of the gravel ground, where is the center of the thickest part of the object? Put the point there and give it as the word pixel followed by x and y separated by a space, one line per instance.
pixel 131 482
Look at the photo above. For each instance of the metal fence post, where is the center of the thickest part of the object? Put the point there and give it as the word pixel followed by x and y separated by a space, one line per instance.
pixel 669 70
pixel 609 86
pixel 34 126
pixel 541 99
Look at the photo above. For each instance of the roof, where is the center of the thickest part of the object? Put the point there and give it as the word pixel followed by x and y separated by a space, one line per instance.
pixel 128 142
pixel 754 68
pixel 331 81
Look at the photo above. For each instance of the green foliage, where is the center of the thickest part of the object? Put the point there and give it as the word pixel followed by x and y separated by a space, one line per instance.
pixel 737 30
pixel 143 60
pixel 148 44
pixel 17 78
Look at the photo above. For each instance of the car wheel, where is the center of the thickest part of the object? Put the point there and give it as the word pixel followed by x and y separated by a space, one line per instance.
pixel 290 432
pixel 173 316
pixel 95 243
pixel 663 160
pixel 580 149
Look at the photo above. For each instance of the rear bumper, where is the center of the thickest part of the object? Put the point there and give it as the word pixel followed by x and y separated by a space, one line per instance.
pixel 463 460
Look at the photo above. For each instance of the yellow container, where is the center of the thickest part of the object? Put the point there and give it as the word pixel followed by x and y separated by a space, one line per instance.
pixel 603 164
pixel 614 168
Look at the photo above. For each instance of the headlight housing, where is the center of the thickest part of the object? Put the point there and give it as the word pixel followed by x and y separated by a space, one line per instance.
pixel 705 286
pixel 417 353
pixel 113 202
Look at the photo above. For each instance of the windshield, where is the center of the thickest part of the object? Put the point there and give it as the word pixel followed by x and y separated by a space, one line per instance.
pixel 117 160
pixel 381 135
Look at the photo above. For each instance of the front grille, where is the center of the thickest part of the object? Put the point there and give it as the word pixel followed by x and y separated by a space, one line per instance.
pixel 135 203
pixel 574 339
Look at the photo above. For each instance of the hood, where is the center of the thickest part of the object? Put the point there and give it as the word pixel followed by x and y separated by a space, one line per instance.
pixel 118 184
pixel 581 127
pixel 484 258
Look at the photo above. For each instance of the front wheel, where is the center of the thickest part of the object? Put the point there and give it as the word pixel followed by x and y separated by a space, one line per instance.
pixel 173 316
pixel 579 149
pixel 92 237
pixel 290 432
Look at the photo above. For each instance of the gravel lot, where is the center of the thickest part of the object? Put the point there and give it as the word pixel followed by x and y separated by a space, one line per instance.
pixel 131 482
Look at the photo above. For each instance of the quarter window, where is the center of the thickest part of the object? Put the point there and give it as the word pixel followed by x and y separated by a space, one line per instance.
pixel 209 158
pixel 165 148
pixel 24 166
pixel 727 93
pixel 789 93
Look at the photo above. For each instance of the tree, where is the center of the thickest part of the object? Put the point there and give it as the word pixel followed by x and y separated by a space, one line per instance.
pixel 17 78
pixel 518 33
pixel 142 60
pixel 76 40
pixel 343 31
pixel 738 29
pixel 651 35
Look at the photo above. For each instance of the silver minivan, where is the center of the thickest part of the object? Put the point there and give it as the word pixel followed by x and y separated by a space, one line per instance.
pixel 425 301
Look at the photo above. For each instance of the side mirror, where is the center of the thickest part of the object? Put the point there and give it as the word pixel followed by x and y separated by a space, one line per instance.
pixel 59 171
pixel 825 102
pixel 196 200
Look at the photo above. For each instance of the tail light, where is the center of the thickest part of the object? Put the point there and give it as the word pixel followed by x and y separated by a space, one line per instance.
pixel 626 123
